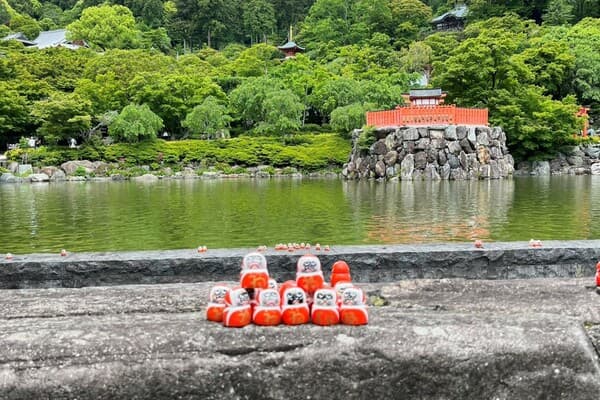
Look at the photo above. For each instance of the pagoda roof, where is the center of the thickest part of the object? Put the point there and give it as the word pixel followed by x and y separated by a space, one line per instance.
pixel 460 12
pixel 290 45
pixel 417 93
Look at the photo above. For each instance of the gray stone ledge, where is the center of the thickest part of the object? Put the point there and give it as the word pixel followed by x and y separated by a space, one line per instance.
pixel 388 263
pixel 434 339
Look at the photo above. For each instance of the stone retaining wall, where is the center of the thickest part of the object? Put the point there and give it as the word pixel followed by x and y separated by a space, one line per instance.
pixel 432 152
pixel 368 263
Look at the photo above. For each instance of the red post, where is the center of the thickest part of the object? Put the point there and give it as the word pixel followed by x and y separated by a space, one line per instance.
pixel 598 276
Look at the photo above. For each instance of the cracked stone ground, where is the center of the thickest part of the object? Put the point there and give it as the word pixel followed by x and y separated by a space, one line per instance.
pixel 427 339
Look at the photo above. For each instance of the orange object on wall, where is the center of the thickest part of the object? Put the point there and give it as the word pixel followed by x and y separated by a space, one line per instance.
pixel 428 115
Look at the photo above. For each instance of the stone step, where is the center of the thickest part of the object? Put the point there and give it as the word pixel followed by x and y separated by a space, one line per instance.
pixel 389 263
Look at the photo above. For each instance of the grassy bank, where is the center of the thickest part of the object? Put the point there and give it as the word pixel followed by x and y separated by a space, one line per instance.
pixel 306 152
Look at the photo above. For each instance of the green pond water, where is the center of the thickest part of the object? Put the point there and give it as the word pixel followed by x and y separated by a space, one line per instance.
pixel 177 214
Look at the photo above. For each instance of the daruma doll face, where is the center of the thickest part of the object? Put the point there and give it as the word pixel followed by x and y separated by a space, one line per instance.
pixel 254 261
pixel 308 264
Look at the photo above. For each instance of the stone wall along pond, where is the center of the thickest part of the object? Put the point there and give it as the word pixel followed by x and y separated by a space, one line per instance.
pixel 430 153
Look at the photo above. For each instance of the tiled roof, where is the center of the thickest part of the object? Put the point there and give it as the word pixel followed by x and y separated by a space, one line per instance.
pixel 459 12
pixel 51 38
pixel 425 93
pixel 290 45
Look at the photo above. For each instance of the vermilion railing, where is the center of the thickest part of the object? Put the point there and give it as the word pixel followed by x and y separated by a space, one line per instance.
pixel 428 115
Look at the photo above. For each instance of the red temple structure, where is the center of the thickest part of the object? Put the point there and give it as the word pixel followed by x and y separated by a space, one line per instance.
pixel 290 49
pixel 426 107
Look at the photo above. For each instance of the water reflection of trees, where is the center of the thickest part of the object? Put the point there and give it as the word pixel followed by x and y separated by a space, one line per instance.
pixel 430 211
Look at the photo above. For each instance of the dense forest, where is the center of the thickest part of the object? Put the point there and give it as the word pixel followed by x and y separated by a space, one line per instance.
pixel 211 69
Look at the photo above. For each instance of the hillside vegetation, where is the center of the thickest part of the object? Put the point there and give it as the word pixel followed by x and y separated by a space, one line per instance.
pixel 211 70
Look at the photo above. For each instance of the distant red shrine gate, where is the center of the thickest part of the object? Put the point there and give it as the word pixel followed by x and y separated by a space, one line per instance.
pixel 425 108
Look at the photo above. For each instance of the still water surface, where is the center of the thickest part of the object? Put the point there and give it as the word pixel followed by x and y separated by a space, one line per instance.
pixel 174 214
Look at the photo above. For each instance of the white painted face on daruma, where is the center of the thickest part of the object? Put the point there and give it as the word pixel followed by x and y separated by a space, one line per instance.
pixel 294 296
pixel 239 297
pixel 341 287
pixel 352 297
pixel 268 298
pixel 217 294
pixel 308 264
pixel 325 298
pixel 254 261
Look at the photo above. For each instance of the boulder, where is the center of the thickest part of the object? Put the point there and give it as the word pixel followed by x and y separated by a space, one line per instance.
pixel 423 132
pixel 145 178
pixel 39 177
pixel 13 167
pixel 595 169
pixel 540 168
pixel 445 171
pixel 379 147
pixel 461 132
pixel 431 173
pixel 453 161
pixel 438 143
pixel 58 175
pixel 450 133
pixel 454 146
pixel 71 166
pixel 50 171
pixel 411 134
pixel 483 138
pixel 8 177
pixel 420 160
pixel 24 169
pixel 422 144
pixel 436 134
pixel 466 145
pixel 407 167
pixel 483 154
pixel 391 157
pixel 471 136
pixel 442 157
pixel 380 169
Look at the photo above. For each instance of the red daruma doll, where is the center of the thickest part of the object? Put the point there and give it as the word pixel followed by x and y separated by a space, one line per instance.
pixel 309 276
pixel 267 311
pixel 353 310
pixel 294 307
pixel 254 274
pixel 238 312
pixel 324 310
pixel 216 303
pixel 340 272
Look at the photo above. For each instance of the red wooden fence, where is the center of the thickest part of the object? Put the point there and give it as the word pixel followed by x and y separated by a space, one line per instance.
pixel 421 116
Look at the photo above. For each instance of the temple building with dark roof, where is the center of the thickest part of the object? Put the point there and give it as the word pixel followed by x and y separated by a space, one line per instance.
pixel 453 20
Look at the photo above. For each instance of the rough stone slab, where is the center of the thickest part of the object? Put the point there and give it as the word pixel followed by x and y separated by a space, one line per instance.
pixel 512 260
pixel 451 339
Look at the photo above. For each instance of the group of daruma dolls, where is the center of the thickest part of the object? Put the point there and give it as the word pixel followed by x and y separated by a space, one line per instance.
pixel 259 300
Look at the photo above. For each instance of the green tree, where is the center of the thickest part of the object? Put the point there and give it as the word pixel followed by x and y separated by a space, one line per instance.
pixel 335 93
pixel 247 100
pixel 61 116
pixel 282 112
pixel 558 12
pixel 258 18
pixel 345 119
pixel 135 123
pixel 4 14
pixel 173 95
pixel 107 27
pixel 14 111
pixel 536 125
pixel 209 119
